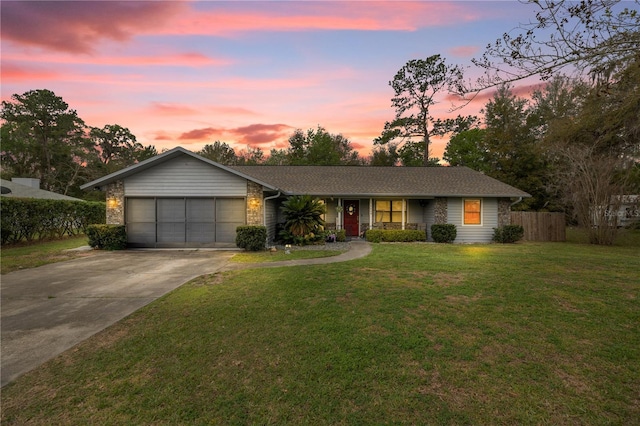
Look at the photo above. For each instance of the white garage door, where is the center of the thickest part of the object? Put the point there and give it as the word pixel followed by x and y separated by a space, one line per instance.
pixel 183 222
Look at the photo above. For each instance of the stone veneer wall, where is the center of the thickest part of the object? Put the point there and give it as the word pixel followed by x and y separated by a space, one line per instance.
pixel 255 215
pixel 440 211
pixel 504 211
pixel 115 203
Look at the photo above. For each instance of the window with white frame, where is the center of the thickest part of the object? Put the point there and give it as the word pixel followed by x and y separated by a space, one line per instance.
pixel 472 214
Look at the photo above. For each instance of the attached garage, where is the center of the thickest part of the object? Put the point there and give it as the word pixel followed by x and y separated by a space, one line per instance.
pixel 183 222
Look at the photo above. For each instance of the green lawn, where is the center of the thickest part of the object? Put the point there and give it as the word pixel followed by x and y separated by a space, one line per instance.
pixel 413 334
pixel 280 255
pixel 31 255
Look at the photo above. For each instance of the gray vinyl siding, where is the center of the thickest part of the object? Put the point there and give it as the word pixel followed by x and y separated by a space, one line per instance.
pixel 185 177
pixel 271 210
pixel 414 212
pixel 473 233
pixel 429 215
pixel 364 211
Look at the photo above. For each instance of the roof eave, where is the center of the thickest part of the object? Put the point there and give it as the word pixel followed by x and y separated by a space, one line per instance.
pixel 412 195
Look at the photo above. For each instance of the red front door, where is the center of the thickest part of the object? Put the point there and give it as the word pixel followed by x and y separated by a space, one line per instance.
pixel 351 215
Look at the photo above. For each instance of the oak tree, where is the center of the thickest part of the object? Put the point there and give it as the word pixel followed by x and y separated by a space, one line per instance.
pixel 45 139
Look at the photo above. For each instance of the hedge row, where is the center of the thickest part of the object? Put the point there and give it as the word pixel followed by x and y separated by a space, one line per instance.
pixel 395 235
pixel 508 234
pixel 27 219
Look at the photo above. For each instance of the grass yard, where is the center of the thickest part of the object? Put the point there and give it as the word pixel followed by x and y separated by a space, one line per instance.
pixel 280 255
pixel 413 334
pixel 13 258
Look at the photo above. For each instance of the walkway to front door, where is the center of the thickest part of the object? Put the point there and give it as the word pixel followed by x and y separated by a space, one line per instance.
pixel 351 217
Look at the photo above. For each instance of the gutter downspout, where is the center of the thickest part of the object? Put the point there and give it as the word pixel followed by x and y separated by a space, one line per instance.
pixel 264 214
pixel 515 202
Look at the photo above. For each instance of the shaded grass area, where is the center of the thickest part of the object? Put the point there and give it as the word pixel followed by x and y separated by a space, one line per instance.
pixel 624 238
pixel 32 255
pixel 266 256
pixel 412 334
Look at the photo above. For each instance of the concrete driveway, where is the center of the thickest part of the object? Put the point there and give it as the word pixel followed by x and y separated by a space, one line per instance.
pixel 49 309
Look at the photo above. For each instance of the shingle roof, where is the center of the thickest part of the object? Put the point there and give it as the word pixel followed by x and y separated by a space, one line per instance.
pixel 380 181
pixel 22 191
pixel 347 180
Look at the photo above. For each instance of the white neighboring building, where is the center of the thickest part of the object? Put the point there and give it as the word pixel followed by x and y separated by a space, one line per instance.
pixel 30 188
pixel 624 209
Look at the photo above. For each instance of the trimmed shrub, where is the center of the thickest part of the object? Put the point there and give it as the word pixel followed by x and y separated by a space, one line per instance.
pixel 107 237
pixel 394 235
pixel 443 233
pixel 251 238
pixel 26 219
pixel 341 235
pixel 508 234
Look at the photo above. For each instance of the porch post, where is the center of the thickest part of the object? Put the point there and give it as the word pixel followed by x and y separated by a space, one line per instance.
pixel 370 213
pixel 339 215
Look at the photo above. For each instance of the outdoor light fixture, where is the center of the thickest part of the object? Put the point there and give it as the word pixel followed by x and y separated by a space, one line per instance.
pixel 254 203
pixel 112 203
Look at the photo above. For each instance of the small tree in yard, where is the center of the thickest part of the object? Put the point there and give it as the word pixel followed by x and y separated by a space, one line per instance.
pixel 303 217
pixel 593 188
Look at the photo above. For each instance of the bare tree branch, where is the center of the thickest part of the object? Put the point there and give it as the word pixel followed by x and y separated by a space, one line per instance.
pixel 589 37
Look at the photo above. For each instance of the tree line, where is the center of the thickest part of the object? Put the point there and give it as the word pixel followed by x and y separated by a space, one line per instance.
pixel 573 143
pixel 43 138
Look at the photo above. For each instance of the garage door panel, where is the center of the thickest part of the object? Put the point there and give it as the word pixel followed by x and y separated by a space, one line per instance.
pixel 229 210
pixel 141 233
pixel 183 221
pixel 141 221
pixel 226 233
pixel 171 232
pixel 141 210
pixel 171 210
pixel 200 210
pixel 201 232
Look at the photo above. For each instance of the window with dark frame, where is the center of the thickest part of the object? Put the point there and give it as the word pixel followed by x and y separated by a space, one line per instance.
pixel 389 211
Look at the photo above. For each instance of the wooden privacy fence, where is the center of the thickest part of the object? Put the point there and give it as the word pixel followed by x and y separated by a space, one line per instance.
pixel 540 226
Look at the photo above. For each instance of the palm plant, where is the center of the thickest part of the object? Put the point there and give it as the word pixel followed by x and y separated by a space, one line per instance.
pixel 303 215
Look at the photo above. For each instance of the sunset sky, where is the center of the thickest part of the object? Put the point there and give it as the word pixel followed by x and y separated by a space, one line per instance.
pixel 189 73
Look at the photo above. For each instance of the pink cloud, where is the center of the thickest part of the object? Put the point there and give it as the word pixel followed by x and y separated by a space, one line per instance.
pixel 523 91
pixel 76 26
pixel 310 16
pixel 188 59
pixel 253 134
pixel 359 146
pixel 15 73
pixel 198 134
pixel 464 51
pixel 162 136
pixel 260 134
pixel 171 109
pixel 227 110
